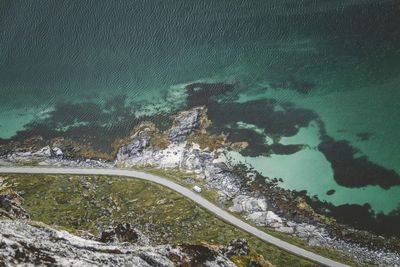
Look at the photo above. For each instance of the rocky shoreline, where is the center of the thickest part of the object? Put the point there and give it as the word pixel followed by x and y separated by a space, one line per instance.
pixel 188 147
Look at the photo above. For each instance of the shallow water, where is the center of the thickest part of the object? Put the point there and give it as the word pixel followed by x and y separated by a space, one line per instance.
pixel 338 59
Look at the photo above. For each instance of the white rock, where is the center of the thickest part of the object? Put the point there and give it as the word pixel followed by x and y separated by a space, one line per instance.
pixel 272 217
pixel 285 229
pixel 246 204
pixel 23 154
pixel 57 151
pixel 265 218
pixel 258 217
pixel 43 152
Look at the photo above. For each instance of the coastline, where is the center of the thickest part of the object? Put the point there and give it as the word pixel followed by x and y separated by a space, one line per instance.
pixel 185 146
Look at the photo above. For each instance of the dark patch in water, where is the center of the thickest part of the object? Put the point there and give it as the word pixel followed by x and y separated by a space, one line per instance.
pixel 364 136
pixel 263 114
pixel 277 120
pixel 95 124
pixel 255 140
pixel 330 192
pixel 358 216
pixel 202 93
pixel 362 217
pixel 355 172
pixel 280 149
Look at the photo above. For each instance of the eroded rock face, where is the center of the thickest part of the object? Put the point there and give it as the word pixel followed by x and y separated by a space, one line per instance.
pixel 185 123
pixel 197 255
pixel 11 204
pixel 24 244
pixel 238 247
pixel 256 210
pixel 123 232
pixel 43 153
pixel 136 146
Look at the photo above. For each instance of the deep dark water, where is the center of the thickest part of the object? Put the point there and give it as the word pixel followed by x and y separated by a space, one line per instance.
pixel 70 48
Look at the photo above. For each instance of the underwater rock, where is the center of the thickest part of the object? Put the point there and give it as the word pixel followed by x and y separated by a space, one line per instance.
pixel 352 171
pixel 330 192
pixel 199 94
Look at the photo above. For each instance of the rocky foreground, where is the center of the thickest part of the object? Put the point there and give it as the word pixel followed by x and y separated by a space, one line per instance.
pixel 187 146
pixel 29 243
pixel 38 244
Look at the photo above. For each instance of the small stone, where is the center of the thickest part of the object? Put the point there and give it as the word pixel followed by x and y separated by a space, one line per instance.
pixel 284 229
pixel 330 192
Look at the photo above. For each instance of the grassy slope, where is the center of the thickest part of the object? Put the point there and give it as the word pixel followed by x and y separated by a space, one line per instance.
pixel 90 202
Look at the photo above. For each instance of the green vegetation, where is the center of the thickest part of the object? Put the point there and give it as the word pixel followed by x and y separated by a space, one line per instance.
pixel 93 202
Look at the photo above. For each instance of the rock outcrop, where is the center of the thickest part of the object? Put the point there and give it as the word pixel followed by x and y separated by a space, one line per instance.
pixel 41 154
pixel 180 154
pixel 185 123
pixel 37 244
pixel 238 247
pixel 123 232
pixel 243 203
pixel 11 204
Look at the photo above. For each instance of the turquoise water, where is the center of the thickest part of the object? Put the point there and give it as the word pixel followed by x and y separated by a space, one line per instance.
pixel 339 59
pixel 350 100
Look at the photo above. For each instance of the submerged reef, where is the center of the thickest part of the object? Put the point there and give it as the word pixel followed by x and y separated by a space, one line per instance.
pixel 352 171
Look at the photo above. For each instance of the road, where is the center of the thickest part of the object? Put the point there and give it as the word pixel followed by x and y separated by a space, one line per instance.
pixel 227 217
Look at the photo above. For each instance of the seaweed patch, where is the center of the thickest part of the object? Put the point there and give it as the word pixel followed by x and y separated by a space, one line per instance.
pixel 350 171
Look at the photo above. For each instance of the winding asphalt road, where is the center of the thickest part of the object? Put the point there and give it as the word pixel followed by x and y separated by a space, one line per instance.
pixel 187 193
